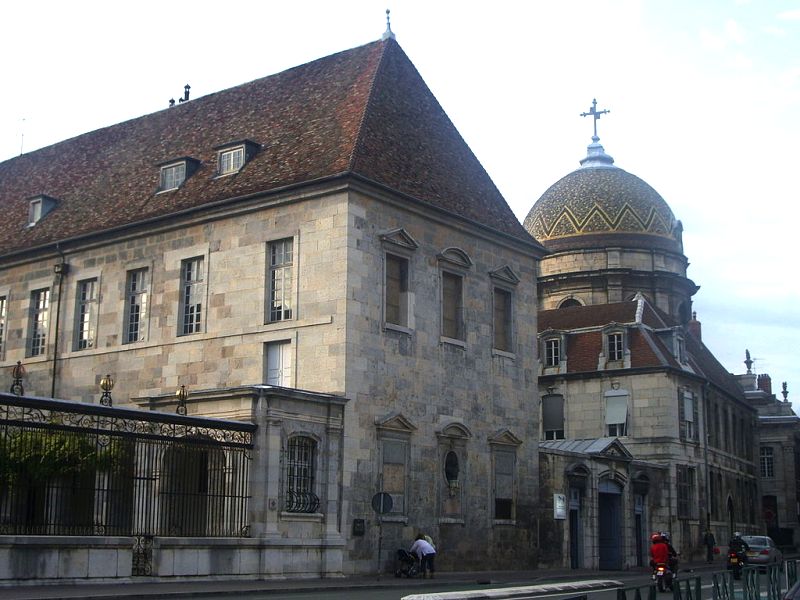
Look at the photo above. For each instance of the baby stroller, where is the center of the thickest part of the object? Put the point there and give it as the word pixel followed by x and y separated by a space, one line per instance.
pixel 406 564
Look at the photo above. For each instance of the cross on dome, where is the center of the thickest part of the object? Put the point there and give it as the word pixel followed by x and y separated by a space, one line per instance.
pixel 593 112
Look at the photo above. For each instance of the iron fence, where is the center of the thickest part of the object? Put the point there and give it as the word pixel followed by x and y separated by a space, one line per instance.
pixel 70 468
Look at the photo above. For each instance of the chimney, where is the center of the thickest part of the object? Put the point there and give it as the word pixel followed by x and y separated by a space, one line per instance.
pixel 695 328
pixel 765 383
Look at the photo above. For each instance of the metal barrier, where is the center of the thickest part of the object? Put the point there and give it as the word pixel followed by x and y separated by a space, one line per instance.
pixel 723 584
pixel 686 589
pixel 636 591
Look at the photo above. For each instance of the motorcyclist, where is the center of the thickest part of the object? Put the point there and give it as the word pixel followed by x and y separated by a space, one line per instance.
pixel 659 551
pixel 738 545
pixel 673 554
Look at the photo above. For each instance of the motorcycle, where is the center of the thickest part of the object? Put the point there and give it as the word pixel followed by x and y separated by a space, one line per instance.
pixel 662 575
pixel 736 561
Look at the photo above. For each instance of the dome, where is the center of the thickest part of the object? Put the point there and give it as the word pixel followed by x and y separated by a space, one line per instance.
pixel 602 205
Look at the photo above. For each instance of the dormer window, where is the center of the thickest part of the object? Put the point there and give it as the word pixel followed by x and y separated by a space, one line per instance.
pixel 38 207
pixel 233 156
pixel 172 176
pixel 230 161
pixel 552 352
pixel 175 172
pixel 616 350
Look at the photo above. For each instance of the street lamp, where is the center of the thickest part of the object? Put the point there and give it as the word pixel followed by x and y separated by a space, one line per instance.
pixel 106 384
pixel 17 373
pixel 181 395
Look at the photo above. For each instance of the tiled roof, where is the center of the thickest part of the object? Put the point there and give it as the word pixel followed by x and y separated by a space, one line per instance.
pixel 364 111
pixel 584 325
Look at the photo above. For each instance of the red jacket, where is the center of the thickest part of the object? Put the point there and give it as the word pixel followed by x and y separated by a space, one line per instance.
pixel 659 552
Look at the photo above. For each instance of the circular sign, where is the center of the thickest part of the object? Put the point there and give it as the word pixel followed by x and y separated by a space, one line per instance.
pixel 382 503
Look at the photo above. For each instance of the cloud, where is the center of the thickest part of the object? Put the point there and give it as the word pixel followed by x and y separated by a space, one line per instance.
pixel 789 15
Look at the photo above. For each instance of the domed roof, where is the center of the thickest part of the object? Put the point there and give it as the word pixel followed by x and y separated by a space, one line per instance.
pixel 601 205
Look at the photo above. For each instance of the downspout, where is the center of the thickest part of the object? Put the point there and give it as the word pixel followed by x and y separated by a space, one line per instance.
pixel 60 269
pixel 705 455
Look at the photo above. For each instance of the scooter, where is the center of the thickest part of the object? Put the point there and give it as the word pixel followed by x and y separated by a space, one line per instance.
pixel 736 561
pixel 662 575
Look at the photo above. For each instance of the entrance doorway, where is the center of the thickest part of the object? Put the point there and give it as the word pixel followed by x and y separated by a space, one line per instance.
pixel 609 525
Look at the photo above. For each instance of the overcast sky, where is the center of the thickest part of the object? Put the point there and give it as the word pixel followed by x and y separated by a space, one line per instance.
pixel 704 100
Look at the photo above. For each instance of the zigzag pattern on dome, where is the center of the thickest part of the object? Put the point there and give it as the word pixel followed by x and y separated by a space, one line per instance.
pixel 597 220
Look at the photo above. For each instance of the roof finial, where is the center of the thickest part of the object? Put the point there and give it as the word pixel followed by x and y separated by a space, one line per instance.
pixel 388 34
pixel 593 112
pixel 596 156
pixel 748 361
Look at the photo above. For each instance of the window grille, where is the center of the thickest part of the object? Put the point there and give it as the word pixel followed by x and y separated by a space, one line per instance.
pixel 300 465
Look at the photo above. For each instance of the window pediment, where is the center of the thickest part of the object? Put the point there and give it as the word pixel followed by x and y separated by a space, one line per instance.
pixel 455 257
pixel 396 422
pixel 399 238
pixel 505 274
pixel 455 430
pixel 504 437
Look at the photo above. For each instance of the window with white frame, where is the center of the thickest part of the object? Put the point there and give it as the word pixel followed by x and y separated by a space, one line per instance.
pixel 616 350
pixel 136 297
pixel 616 401
pixel 86 314
pixel 767 461
pixel 394 470
pixel 34 211
pixel 192 295
pixel 39 321
pixel 505 460
pixel 688 415
pixel 278 363
pixel 280 278
pixel 300 467
pixel 553 417
pixel 396 290
pixel 3 309
pixel 231 160
pixel 552 352
pixel 452 306
pixel 502 320
pixel 172 176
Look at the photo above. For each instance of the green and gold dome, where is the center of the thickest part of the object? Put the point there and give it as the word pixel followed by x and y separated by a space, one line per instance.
pixel 601 205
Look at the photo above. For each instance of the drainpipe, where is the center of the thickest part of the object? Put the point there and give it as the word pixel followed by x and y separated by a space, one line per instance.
pixel 705 455
pixel 60 269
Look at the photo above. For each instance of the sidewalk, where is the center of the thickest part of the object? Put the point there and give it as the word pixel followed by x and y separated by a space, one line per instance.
pixel 205 588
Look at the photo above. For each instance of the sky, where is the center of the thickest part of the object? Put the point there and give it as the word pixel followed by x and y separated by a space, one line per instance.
pixel 703 99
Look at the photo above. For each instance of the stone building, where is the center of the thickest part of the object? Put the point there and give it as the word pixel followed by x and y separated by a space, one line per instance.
pixel 323 237
pixel 642 429
pixel 778 456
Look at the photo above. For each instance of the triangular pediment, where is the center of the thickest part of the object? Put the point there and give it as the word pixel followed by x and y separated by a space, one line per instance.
pixel 505 274
pixel 399 237
pixel 456 257
pixel 504 437
pixel 395 422
pixel 611 448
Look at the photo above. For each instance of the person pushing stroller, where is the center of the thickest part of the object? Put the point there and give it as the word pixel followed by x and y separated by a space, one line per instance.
pixel 426 553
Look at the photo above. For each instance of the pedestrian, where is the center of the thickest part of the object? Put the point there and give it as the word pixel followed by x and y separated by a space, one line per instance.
pixel 710 543
pixel 426 553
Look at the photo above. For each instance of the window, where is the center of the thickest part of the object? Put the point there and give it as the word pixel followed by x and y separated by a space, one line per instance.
pixel 615 347
pixel 504 467
pixel 301 454
pixel 86 314
pixel 569 303
pixel 767 461
pixel 396 290
pixel 136 292
pixel 552 352
pixel 553 417
pixel 3 302
pixel 230 161
pixel 616 412
pixel 39 317
pixel 452 306
pixel 192 292
pixel 685 490
pixel 502 319
pixel 280 279
pixel 394 473
pixel 279 363
pixel 688 415
pixel 34 211
pixel 172 176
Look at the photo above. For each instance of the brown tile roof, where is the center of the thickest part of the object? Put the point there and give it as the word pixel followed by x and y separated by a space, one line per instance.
pixel 584 324
pixel 364 111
